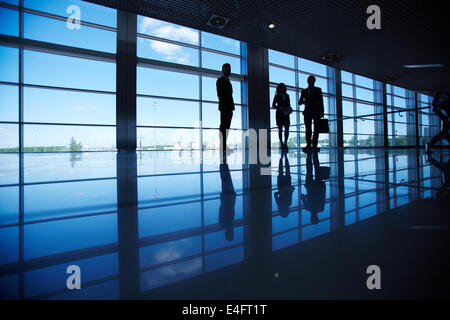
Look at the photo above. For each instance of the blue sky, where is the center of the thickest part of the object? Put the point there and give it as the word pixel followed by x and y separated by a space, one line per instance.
pixel 59 106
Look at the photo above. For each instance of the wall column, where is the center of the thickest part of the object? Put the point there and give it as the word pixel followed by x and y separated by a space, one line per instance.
pixel 126 81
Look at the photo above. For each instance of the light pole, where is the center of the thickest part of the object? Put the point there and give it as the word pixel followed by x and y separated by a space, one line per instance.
pixel 155 104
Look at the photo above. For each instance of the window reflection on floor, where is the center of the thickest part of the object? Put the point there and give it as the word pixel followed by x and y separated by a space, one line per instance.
pixel 191 218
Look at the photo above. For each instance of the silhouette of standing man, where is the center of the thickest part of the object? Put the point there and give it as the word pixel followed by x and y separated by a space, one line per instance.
pixel 227 202
pixel 313 100
pixel 314 200
pixel 226 104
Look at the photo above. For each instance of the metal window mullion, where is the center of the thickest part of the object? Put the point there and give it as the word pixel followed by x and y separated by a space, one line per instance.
pixel 355 125
pixel 58 49
pixel 416 117
pixel 21 159
pixel 394 135
pixel 200 106
pixel 356 184
pixel 182 68
pixel 64 19
pixel 297 115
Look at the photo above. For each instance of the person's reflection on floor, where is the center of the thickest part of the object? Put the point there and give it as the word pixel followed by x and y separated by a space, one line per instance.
pixel 227 202
pixel 314 200
pixel 443 194
pixel 283 197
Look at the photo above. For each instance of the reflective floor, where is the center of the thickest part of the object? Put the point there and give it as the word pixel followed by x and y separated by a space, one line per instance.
pixel 180 225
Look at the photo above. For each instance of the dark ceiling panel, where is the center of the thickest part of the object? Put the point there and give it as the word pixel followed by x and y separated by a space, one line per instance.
pixel 412 32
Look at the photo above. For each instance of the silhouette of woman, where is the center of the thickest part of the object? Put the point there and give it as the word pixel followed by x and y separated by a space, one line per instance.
pixel 282 103
pixel 283 197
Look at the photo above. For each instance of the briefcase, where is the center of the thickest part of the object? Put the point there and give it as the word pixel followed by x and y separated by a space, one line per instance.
pixel 323 126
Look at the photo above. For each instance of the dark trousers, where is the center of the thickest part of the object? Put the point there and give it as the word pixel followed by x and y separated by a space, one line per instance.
pixel 444 134
pixel 308 127
pixel 225 123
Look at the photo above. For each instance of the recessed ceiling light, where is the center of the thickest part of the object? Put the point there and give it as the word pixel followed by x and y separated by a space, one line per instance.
pixel 272 25
pixel 418 66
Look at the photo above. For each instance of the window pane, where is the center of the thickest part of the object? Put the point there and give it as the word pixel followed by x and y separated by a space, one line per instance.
pixel 164 112
pixel 159 50
pixel 13 2
pixel 9 22
pixel 347 108
pixel 364 82
pixel 10 137
pixel 54 70
pixel 364 109
pixel 346 77
pixel 220 43
pixel 168 139
pixel 349 140
pixel 60 166
pixel 49 138
pixel 56 31
pixel 312 67
pixel 281 58
pixel 69 198
pixel 399 91
pixel 47 238
pixel 167 83
pixel 215 61
pixel 347 90
pixel 364 94
pixel 366 126
pixel 398 117
pixel 211 139
pixel 348 125
pixel 9 198
pixel 278 75
pixel 210 115
pixel 9 168
pixel 151 255
pixel 399 102
pixel 89 12
pixel 9 103
pixel 9 250
pixel 9 64
pixel 166 30
pixel 47 105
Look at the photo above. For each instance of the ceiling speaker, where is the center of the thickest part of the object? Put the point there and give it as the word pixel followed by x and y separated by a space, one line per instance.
pixel 217 21
pixel 332 57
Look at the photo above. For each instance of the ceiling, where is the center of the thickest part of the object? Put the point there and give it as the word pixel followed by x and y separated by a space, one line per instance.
pixel 412 32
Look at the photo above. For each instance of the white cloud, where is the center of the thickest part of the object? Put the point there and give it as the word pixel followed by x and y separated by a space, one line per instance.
pixel 165 48
pixel 164 30
pixel 148 23
pixel 167 255
pixel 186 268
pixel 178 34
pixel 171 51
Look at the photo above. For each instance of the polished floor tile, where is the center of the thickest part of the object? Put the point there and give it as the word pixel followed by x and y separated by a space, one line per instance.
pixel 180 224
